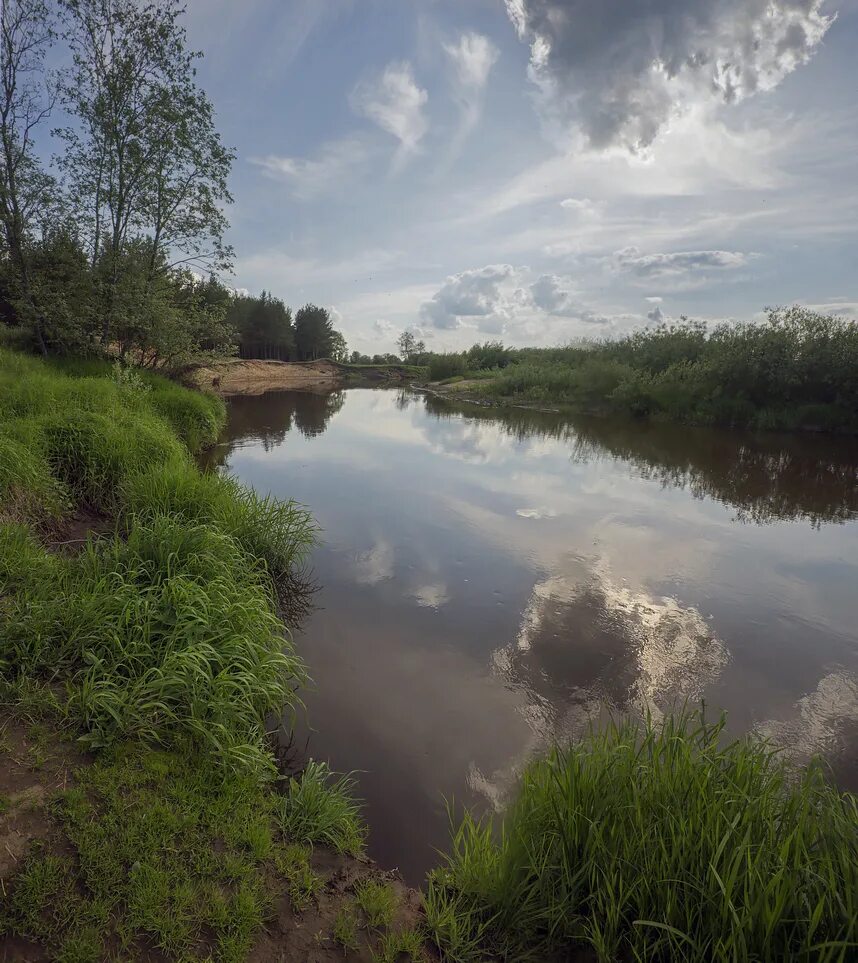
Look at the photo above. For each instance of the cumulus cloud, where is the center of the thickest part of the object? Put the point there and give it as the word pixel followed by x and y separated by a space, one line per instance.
pixel 678 262
pixel 311 176
pixel 581 207
pixel 481 293
pixel 503 299
pixel 394 102
pixel 656 316
pixel 554 295
pixel 620 72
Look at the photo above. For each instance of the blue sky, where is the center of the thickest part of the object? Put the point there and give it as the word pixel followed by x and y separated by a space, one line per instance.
pixel 538 170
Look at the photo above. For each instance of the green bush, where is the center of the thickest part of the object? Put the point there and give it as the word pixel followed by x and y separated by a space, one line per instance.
pixel 656 843
pixel 443 366
pixel 799 369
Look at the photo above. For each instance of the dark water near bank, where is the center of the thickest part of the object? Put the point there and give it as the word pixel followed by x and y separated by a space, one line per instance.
pixel 492 581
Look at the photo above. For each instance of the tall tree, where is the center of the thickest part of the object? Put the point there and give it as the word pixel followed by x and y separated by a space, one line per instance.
pixel 25 103
pixel 314 332
pixel 409 346
pixel 143 156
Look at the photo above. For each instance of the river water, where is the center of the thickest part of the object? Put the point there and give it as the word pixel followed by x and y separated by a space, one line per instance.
pixel 492 581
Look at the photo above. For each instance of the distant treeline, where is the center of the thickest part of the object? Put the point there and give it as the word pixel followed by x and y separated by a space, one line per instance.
pixel 798 369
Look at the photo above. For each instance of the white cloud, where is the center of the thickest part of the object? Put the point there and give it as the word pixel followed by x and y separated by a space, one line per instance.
pixel 656 316
pixel 654 299
pixel 384 328
pixel 473 58
pixel 395 103
pixel 481 293
pixel 308 177
pixel 582 207
pixel 621 74
pixel 500 299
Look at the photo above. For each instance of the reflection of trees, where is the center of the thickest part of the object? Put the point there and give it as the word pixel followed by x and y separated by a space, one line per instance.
pixel 765 477
pixel 268 418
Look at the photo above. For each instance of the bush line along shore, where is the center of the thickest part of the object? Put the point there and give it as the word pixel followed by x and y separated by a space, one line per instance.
pixel 796 371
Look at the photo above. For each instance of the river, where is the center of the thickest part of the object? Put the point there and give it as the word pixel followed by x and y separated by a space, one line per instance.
pixel 492 581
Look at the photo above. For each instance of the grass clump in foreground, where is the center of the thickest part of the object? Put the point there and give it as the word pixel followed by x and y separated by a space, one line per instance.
pixel 159 646
pixel 656 843
pixel 320 807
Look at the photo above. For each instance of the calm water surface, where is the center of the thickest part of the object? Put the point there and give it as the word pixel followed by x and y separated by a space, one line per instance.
pixel 494 581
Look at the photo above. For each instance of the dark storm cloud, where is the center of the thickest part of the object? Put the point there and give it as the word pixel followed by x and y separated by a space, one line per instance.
pixel 619 69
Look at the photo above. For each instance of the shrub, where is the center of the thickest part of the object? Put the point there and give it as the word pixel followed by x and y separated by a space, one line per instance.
pixel 442 366
pixel 656 843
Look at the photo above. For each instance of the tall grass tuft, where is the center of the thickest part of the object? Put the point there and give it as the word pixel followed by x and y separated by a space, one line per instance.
pixel 168 636
pixel 656 843
pixel 279 532
pixel 320 807
pixel 167 631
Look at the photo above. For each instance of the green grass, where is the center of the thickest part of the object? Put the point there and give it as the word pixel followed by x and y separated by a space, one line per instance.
pixel 278 532
pixel 378 902
pixel 293 864
pixel 162 855
pixel 320 807
pixel 166 631
pixel 345 931
pixel 168 634
pixel 398 945
pixel 658 844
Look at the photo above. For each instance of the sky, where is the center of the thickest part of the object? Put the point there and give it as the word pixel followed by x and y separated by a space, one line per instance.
pixel 537 171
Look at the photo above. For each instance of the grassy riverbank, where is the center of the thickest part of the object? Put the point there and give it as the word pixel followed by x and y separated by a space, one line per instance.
pixel 141 651
pixel 797 371
pixel 656 843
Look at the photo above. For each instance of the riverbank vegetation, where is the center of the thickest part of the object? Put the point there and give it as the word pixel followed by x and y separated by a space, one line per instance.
pixel 142 651
pixel 797 370
pixel 656 842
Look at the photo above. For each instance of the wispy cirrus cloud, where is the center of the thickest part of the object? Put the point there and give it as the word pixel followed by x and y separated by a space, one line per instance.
pixel 395 102
pixel 472 57
pixel 331 168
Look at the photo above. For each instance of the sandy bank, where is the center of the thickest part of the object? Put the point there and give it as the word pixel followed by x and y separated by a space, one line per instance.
pixel 251 377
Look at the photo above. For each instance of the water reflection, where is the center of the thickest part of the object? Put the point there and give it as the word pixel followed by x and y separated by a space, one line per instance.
pixel 492 581
pixel 764 476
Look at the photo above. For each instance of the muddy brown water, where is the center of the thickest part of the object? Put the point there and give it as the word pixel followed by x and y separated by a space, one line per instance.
pixel 493 581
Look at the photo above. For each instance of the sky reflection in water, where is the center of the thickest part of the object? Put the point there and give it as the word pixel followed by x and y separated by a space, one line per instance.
pixel 491 582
